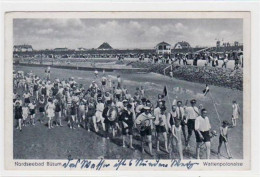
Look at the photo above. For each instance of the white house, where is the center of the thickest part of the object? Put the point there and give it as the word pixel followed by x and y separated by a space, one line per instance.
pixel 23 48
pixel 163 48
pixel 182 45
pixel 81 49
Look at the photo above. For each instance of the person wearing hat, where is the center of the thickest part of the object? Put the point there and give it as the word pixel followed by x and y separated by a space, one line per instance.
pixel 127 119
pixel 107 96
pixel 103 82
pixel 98 115
pixel 125 103
pixel 223 137
pixel 96 73
pixel 144 122
pixel 110 115
pixel 161 128
pixel 93 86
pixel 192 112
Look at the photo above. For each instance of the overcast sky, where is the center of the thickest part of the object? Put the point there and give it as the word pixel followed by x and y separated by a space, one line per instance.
pixel 124 33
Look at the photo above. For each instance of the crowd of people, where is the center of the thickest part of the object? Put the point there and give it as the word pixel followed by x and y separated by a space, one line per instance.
pixel 210 58
pixel 106 106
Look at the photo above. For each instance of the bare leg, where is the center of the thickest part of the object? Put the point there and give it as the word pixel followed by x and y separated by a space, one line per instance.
pixel 60 119
pixel 165 141
pixel 124 140
pixel 158 145
pixel 49 123
pixel 103 124
pixel 33 122
pixel 219 147
pixel 233 122
pixel 208 149
pixel 188 139
pixel 131 141
pixel 52 122
pixel 150 143
pixel 113 132
pixel 228 151
pixel 95 123
pixel 198 150
pixel 20 124
pixel 180 149
pixel 142 144
pixel 184 133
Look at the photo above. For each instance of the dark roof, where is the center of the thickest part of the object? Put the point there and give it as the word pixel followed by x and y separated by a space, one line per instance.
pixel 163 43
pixel 61 48
pixel 23 46
pixel 105 45
pixel 183 44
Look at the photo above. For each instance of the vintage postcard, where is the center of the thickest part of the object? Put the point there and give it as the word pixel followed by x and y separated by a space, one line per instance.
pixel 127 91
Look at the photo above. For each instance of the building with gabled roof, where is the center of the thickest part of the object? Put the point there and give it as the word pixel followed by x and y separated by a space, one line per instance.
pixel 182 45
pixel 105 46
pixel 163 48
pixel 23 48
pixel 61 49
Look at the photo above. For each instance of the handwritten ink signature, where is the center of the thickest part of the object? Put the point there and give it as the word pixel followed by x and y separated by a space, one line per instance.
pixel 85 164
pixel 178 163
pixel 88 164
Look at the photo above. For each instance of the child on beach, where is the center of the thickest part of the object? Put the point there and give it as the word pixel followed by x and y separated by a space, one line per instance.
pixel 18 111
pixel 223 137
pixel 25 111
pixel 236 113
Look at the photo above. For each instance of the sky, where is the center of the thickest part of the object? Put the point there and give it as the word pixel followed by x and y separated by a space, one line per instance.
pixel 124 33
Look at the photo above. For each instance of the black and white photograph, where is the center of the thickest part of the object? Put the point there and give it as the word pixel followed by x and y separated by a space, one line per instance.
pixel 129 88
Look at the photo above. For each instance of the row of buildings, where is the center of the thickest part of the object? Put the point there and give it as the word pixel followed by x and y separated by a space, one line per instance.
pixel 28 48
pixel 160 49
